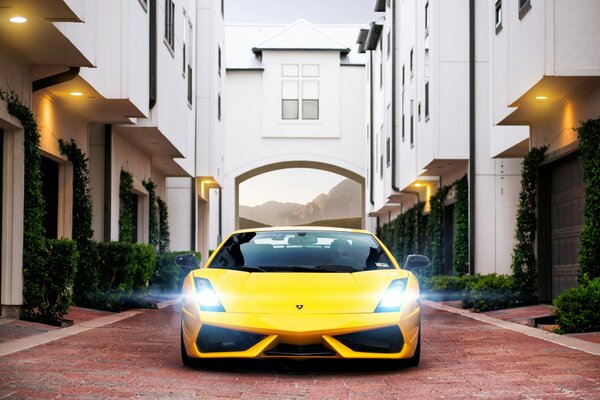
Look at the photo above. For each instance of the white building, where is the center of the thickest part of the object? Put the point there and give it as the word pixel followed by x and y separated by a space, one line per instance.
pixel 430 122
pixel 130 100
pixel 545 74
pixel 194 203
pixel 291 100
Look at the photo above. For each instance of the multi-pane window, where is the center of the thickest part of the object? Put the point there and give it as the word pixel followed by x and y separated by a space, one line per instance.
pixel 524 6
pixel 498 15
pixel 219 60
pixel 170 23
pixel 219 106
pixel 188 47
pixel 403 80
pixel 389 43
pixel 300 91
pixel 412 123
pixel 388 151
pixel 426 101
pixel 426 19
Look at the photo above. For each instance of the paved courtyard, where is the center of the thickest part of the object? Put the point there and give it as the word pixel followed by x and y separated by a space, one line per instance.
pixel 139 357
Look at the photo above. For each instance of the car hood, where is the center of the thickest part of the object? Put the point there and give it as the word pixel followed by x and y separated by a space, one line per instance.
pixel 299 292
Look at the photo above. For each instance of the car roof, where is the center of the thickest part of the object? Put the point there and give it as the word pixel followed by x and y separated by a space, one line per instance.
pixel 302 228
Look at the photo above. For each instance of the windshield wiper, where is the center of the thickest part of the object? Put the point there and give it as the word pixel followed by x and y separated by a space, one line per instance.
pixel 335 268
pixel 250 268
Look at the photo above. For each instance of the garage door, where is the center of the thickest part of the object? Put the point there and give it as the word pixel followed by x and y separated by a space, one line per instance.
pixel 566 220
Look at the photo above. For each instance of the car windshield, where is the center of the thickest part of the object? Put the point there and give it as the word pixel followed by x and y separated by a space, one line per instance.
pixel 301 251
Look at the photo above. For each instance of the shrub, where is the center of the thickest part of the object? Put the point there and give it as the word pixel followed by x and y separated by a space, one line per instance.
pixel 167 275
pixel 142 265
pixel 60 268
pixel 445 287
pixel 490 292
pixel 87 277
pixel 114 258
pixel 578 309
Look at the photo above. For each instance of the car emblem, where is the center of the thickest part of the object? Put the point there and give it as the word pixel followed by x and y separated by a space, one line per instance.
pixel 299 306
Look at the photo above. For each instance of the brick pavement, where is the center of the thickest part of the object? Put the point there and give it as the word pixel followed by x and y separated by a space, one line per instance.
pixel 139 357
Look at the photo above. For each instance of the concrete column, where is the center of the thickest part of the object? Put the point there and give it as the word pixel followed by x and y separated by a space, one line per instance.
pixel 13 169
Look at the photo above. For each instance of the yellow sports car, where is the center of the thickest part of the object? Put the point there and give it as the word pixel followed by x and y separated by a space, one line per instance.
pixel 300 292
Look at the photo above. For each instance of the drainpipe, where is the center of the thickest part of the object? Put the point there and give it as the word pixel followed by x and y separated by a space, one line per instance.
pixel 52 80
pixel 394 187
pixel 152 55
pixel 107 181
pixel 372 175
pixel 471 176
pixel 413 193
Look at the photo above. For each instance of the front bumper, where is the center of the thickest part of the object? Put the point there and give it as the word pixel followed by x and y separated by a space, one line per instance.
pixel 391 335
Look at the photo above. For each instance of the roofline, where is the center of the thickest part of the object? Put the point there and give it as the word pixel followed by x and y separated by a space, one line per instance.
pixel 257 50
pixel 245 69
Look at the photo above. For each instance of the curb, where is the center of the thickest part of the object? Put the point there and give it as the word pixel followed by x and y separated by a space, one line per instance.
pixel 14 346
pixel 565 341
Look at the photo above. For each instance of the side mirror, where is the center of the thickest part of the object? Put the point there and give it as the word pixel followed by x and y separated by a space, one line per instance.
pixel 417 263
pixel 187 261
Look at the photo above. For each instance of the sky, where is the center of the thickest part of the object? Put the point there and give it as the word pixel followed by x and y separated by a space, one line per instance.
pixel 286 11
pixel 293 185
pixel 298 185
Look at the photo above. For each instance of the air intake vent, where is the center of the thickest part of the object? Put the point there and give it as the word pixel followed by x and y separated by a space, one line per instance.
pixel 309 350
pixel 212 339
pixel 382 340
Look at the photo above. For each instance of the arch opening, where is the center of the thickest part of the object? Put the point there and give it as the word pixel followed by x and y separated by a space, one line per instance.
pixel 299 193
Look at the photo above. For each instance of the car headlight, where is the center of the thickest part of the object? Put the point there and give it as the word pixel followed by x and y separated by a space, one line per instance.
pixel 393 297
pixel 206 296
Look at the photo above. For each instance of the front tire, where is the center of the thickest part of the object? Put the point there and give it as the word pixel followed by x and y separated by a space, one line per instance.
pixel 416 358
pixel 187 360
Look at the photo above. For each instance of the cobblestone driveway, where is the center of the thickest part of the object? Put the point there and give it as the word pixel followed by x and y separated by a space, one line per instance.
pixel 139 357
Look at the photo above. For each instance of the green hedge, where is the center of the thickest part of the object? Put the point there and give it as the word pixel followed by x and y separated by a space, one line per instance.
pixel 50 288
pixel 491 292
pixel 60 268
pixel 446 287
pixel 168 276
pixel 578 309
pixel 125 267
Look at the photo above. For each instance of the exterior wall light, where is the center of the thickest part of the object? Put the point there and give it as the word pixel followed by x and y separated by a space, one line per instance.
pixel 76 94
pixel 541 97
pixel 17 19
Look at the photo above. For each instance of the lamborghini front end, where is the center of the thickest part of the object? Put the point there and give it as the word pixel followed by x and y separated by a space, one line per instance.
pixel 256 313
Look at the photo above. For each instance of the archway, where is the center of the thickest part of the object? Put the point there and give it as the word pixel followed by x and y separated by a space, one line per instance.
pixel 321 166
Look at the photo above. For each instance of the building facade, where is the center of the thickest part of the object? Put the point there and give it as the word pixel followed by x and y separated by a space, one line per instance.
pixel 468 88
pixel 120 79
pixel 292 93
pixel 545 75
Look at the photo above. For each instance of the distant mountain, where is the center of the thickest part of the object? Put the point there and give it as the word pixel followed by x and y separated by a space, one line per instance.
pixel 245 223
pixel 343 201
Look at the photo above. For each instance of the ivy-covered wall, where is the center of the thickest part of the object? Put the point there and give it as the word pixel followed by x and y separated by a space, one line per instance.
pixel 126 205
pixel 589 249
pixel 523 258
pixel 413 232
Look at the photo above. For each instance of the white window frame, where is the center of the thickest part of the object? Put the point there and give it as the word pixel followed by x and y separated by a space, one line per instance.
pixel 301 76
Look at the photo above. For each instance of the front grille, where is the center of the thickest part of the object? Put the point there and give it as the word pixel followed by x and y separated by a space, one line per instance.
pixel 381 340
pixel 309 350
pixel 213 339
